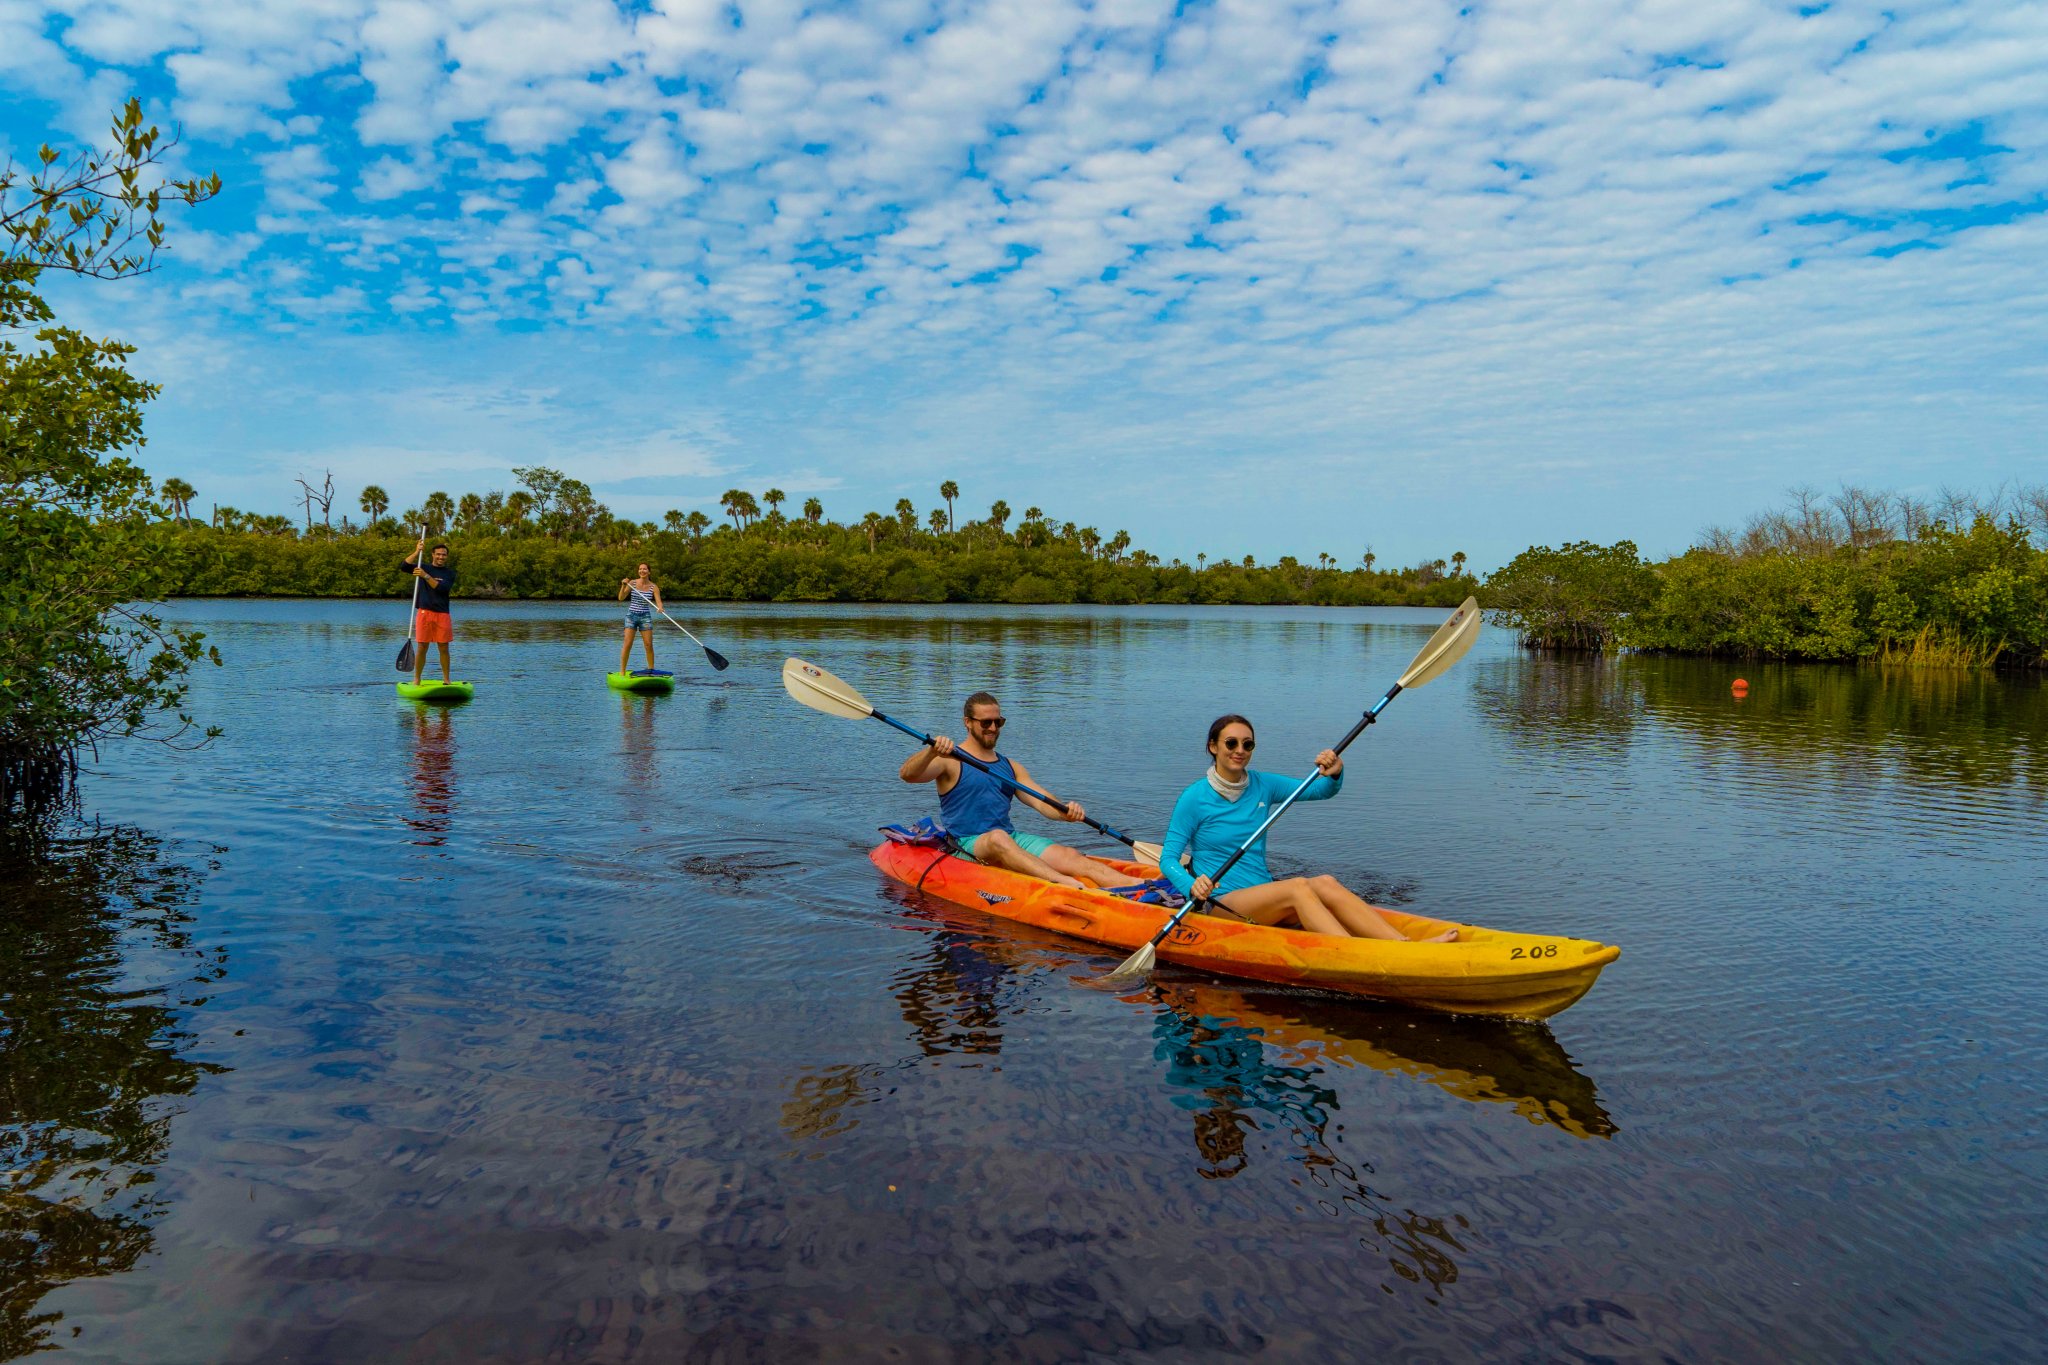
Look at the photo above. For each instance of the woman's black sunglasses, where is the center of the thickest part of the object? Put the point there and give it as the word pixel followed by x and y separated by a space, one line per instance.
pixel 1234 743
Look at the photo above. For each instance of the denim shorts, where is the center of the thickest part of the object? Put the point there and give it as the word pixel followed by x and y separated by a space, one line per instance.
pixel 639 620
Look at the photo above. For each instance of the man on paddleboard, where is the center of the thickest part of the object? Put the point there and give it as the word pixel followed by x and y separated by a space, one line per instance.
pixel 975 808
pixel 431 623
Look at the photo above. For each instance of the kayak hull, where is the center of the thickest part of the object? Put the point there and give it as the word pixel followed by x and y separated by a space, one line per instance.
pixel 1488 971
pixel 437 691
pixel 657 684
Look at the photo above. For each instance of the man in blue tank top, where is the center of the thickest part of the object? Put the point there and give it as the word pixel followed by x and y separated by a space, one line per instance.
pixel 975 808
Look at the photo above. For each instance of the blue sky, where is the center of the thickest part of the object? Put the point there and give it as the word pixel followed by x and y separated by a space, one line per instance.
pixel 1237 277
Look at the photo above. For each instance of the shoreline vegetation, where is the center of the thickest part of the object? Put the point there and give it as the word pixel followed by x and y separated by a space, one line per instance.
pixel 1856 576
pixel 551 539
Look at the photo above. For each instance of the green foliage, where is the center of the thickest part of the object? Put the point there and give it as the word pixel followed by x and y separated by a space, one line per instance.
pixel 1575 597
pixel 81 538
pixel 1948 595
pixel 1861 575
pixel 792 562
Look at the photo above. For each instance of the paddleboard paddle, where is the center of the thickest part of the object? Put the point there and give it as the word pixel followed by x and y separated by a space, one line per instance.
pixel 412 617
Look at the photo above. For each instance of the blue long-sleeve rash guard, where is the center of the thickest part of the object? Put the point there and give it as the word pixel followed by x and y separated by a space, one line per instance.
pixel 1214 827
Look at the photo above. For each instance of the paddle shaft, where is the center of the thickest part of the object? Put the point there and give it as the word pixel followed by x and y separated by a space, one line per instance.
pixel 714 654
pixel 1368 718
pixel 412 618
pixel 974 762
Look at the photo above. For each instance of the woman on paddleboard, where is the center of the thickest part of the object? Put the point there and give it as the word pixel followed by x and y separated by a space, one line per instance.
pixel 642 599
pixel 1215 816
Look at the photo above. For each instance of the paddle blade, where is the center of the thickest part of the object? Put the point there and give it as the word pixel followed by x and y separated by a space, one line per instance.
pixel 718 661
pixel 1147 853
pixel 1135 970
pixel 820 691
pixel 1452 639
pixel 404 664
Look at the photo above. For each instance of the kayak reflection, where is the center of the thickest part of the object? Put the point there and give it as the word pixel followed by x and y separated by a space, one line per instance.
pixel 957 1001
pixel 1499 1061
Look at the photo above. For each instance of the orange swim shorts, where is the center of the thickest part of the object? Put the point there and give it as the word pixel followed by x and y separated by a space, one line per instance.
pixel 433 628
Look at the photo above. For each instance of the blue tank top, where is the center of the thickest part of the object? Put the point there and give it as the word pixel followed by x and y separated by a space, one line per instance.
pixel 978 803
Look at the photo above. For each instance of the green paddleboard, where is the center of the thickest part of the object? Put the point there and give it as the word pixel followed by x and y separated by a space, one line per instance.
pixel 437 691
pixel 658 683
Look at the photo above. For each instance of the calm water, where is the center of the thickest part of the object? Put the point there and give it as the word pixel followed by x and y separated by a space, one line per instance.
pixel 573 1026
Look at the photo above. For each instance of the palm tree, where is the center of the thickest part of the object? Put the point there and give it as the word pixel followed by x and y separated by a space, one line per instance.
pixel 179 494
pixel 373 503
pixel 1118 543
pixel 518 505
pixel 938 521
pixel 949 491
pixel 1370 560
pixel 437 509
pixel 740 506
pixel 814 510
pixel 775 497
pixel 1458 563
pixel 999 513
pixel 872 524
pixel 469 511
pixel 673 519
pixel 1201 561
pixel 906 515
pixel 696 524
pixel 1091 540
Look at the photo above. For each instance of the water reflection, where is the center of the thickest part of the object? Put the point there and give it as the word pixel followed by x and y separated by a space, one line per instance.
pixel 637 738
pixel 1967 727
pixel 87 1056
pixel 1253 1068
pixel 1234 1090
pixel 432 732
pixel 1487 1061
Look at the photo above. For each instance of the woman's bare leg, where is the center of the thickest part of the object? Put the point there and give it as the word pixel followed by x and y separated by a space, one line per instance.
pixel 1282 902
pixel 626 649
pixel 647 639
pixel 1363 920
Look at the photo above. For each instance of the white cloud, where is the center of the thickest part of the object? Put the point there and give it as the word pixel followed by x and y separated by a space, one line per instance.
pixel 1432 224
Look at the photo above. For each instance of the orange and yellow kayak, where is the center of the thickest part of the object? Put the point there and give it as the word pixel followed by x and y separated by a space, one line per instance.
pixel 1487 971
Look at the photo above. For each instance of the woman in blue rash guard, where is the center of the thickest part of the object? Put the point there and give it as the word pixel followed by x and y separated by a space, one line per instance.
pixel 1217 814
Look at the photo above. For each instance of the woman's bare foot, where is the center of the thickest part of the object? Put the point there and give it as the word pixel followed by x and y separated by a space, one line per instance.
pixel 1447 936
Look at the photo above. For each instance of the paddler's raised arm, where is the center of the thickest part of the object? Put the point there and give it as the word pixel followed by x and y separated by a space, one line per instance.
pixel 928 764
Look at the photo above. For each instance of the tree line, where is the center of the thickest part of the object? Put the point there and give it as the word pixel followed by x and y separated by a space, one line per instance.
pixel 789 562
pixel 549 537
pixel 1858 575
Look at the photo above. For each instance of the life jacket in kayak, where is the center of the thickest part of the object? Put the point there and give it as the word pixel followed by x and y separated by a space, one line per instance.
pixel 923 834
pixel 977 802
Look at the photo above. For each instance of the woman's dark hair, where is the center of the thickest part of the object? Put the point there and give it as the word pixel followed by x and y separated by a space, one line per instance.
pixel 1217 725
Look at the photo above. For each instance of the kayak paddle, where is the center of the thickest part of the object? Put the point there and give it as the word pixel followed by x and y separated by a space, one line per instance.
pixel 718 661
pixel 820 691
pixel 1445 648
pixel 412 619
